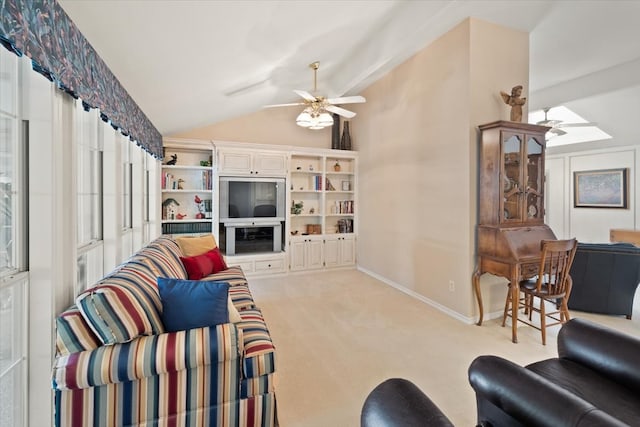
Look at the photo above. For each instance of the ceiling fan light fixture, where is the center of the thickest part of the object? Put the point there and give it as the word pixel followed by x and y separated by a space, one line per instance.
pixel 317 114
pixel 325 119
pixel 304 119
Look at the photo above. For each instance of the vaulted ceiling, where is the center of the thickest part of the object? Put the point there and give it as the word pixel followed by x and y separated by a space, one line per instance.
pixel 194 63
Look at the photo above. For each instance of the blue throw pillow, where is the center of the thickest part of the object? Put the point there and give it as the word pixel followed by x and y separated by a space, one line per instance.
pixel 189 304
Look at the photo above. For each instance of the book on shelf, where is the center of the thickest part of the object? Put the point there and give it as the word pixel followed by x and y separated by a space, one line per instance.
pixel 345 225
pixel 206 180
pixel 343 206
pixel 168 181
pixel 186 227
pixel 330 186
pixel 317 182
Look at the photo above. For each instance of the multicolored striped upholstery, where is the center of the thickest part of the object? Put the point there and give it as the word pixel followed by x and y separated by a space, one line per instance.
pixel 73 333
pixel 232 275
pixel 163 256
pixel 241 297
pixel 215 376
pixel 122 306
pixel 148 356
pixel 259 351
pixel 257 386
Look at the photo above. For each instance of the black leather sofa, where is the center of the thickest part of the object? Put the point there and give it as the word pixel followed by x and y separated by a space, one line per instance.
pixel 605 277
pixel 594 381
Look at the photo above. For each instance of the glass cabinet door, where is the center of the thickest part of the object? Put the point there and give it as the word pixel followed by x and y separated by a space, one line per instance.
pixel 512 185
pixel 535 180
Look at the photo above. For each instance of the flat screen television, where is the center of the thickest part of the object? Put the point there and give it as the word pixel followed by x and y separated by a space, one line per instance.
pixel 252 200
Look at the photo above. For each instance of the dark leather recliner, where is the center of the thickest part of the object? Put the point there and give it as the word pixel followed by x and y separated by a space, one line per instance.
pixel 594 381
pixel 397 402
pixel 605 277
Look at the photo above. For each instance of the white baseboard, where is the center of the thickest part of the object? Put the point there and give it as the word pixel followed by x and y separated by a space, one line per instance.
pixel 442 308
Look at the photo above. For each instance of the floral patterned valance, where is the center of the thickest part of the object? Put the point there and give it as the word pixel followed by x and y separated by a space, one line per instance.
pixel 42 31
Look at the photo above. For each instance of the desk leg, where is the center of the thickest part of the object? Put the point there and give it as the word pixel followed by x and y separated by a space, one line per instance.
pixel 515 301
pixel 476 287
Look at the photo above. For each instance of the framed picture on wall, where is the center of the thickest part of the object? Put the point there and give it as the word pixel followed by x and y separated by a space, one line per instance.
pixel 605 188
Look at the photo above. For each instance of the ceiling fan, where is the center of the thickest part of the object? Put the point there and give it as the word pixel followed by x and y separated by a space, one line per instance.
pixel 557 125
pixel 316 113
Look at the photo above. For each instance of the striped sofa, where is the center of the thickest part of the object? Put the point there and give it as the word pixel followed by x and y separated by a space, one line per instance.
pixel 137 374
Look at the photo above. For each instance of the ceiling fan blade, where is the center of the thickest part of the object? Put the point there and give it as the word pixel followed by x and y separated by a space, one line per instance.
pixel 550 123
pixel 340 111
pixel 284 105
pixel 305 95
pixel 557 132
pixel 347 100
pixel 576 125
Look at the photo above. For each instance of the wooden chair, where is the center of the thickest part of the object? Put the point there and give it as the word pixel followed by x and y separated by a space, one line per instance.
pixel 552 284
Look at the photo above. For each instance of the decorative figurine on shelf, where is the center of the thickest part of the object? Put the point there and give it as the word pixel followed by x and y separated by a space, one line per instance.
pixel 199 205
pixel 180 182
pixel 180 216
pixel 169 205
pixel 515 102
pixel 312 211
pixel 174 159
pixel 337 167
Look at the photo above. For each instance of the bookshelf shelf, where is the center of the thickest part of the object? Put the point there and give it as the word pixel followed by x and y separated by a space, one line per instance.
pixel 182 185
pixel 326 183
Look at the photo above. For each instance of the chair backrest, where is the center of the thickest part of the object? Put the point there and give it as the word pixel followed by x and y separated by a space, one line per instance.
pixel 555 263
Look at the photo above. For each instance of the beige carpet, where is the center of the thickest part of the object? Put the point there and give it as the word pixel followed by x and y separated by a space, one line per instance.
pixel 340 333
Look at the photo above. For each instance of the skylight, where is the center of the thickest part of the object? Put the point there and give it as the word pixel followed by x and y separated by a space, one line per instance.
pixel 568 127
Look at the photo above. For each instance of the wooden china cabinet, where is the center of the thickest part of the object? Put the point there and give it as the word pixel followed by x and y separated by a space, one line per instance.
pixel 511 203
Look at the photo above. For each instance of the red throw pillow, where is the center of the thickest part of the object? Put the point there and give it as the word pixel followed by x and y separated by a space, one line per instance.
pixel 218 261
pixel 198 266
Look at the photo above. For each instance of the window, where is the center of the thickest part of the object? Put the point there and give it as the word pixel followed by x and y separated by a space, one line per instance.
pixel 13 284
pixel 89 176
pixel 127 184
pixel 146 195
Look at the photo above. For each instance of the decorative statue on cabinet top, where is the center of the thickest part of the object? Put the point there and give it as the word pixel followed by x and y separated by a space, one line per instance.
pixel 515 102
pixel 174 159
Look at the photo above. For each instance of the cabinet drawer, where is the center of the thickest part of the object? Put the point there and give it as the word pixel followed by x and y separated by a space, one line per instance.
pixel 527 271
pixel 247 266
pixel 269 265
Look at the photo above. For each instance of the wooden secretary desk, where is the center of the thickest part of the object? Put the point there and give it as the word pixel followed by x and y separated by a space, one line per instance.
pixel 511 205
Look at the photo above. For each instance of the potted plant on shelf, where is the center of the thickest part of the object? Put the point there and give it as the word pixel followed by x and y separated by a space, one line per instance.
pixel 296 208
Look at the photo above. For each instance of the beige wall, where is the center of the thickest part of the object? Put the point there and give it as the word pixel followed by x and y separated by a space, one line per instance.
pixel 417 139
pixel 269 126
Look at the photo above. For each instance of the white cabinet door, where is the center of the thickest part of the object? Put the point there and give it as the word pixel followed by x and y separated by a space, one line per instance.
pixel 348 251
pixel 339 251
pixel 314 254
pixel 234 162
pixel 331 251
pixel 296 255
pixel 239 162
pixel 270 164
pixel 306 254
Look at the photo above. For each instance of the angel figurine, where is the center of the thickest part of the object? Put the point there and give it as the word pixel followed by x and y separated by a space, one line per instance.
pixel 515 102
